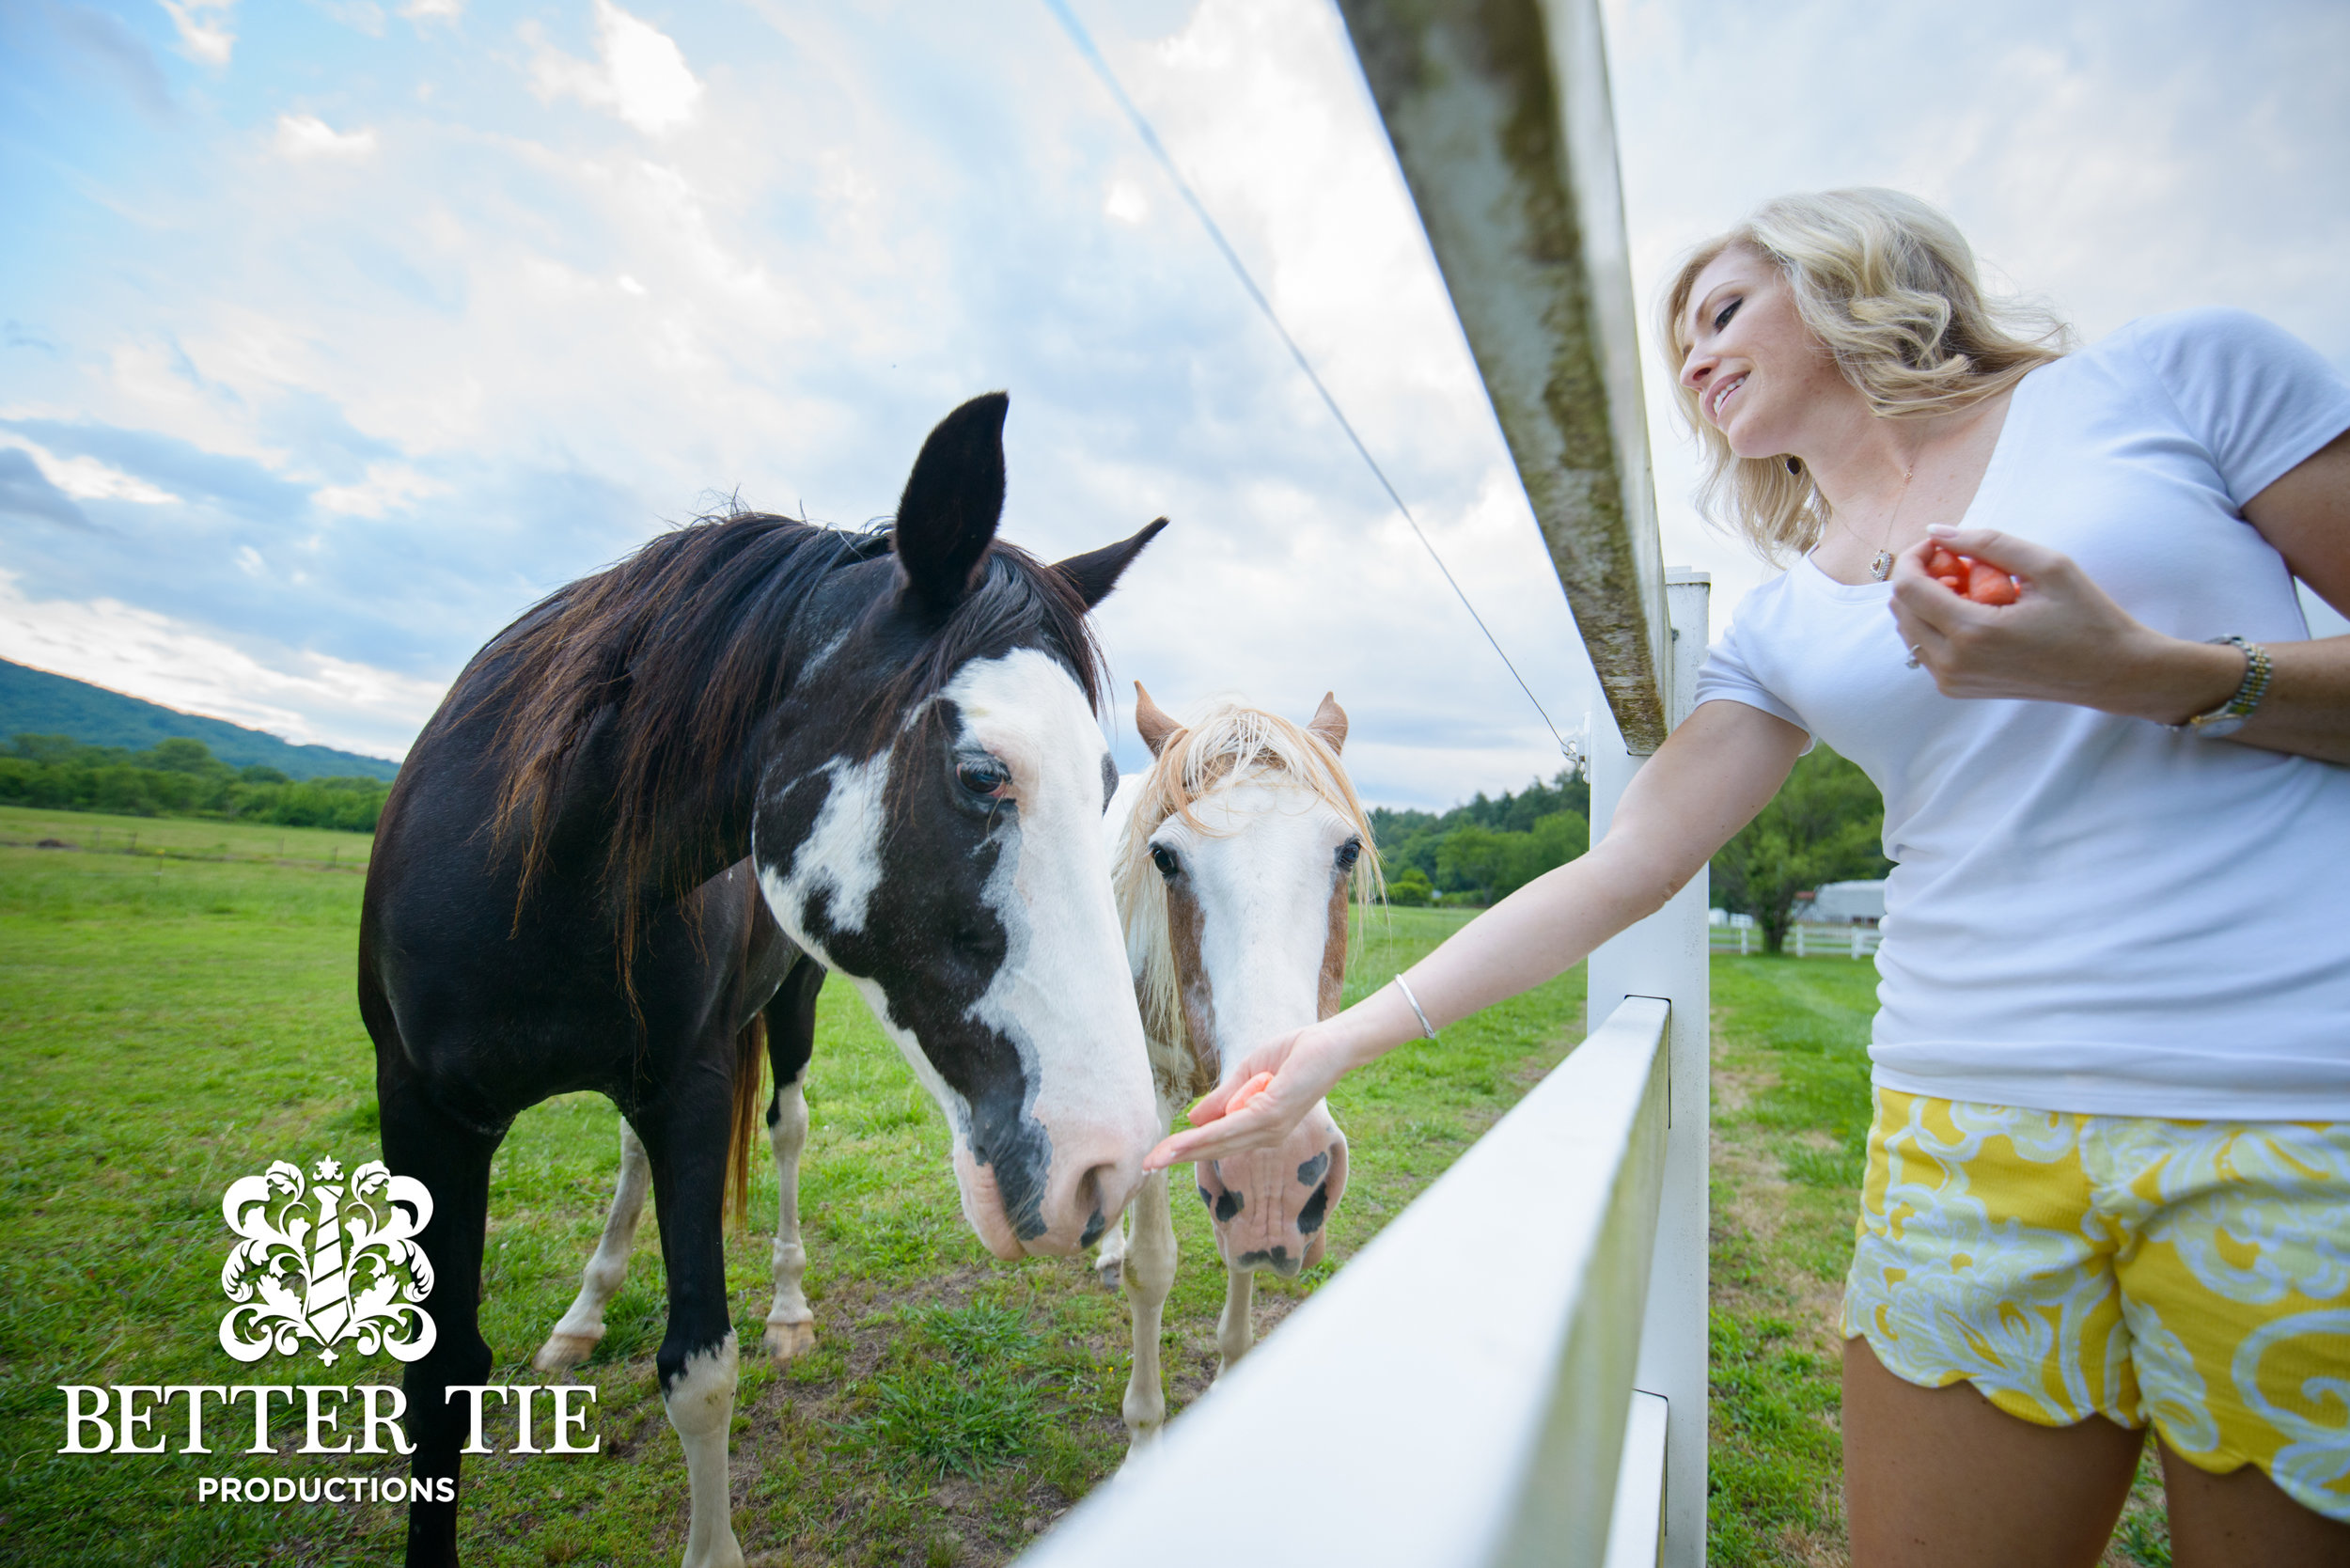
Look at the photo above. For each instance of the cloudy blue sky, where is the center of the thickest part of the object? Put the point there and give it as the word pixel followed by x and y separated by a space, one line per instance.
pixel 333 333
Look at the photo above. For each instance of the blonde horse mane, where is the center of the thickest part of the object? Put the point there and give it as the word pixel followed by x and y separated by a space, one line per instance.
pixel 1230 744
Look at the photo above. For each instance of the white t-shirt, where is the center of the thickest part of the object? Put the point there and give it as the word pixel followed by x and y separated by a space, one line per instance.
pixel 2090 913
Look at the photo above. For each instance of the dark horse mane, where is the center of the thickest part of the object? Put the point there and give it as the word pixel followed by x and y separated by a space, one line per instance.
pixel 671 659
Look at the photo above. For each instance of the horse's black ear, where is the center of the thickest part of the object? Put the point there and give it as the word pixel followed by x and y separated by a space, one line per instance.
pixel 1096 571
pixel 953 500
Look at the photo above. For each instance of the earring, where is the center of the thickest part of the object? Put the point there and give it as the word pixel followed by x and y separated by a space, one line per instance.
pixel 1794 465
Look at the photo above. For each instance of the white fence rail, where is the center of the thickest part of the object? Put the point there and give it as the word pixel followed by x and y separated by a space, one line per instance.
pixel 1463 1392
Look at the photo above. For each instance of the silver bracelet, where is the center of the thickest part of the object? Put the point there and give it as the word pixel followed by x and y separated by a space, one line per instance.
pixel 1426 1027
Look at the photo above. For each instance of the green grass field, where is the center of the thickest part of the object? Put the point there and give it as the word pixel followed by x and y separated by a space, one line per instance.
pixel 169 1022
pixel 182 837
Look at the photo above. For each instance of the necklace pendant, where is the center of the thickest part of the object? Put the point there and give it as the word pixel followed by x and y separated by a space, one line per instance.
pixel 1882 567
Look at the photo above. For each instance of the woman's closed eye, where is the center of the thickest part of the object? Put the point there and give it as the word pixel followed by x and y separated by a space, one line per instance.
pixel 1729 308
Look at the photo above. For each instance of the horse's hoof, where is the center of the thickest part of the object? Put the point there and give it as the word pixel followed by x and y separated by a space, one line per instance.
pixel 564 1350
pixel 1110 1271
pixel 787 1341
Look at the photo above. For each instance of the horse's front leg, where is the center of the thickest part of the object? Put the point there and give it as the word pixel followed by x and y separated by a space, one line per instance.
pixel 1149 1274
pixel 576 1337
pixel 1233 1332
pixel 790 1322
pixel 697 1361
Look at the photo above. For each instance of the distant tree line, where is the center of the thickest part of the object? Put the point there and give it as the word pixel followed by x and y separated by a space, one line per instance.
pixel 1826 824
pixel 1486 850
pixel 179 777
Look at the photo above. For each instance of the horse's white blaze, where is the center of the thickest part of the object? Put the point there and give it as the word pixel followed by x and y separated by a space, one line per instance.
pixel 1061 996
pixel 1262 874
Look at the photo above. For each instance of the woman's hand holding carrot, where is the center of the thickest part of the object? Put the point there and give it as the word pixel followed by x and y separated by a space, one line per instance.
pixel 1257 1107
pixel 2030 623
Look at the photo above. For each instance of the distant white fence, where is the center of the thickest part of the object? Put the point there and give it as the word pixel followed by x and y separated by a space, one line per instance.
pixel 1462 1394
pixel 1806 939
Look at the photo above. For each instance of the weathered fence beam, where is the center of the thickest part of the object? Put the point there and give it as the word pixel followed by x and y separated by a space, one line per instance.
pixel 1458 1393
pixel 1498 112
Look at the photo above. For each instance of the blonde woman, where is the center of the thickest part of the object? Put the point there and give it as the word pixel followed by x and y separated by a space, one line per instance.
pixel 2109 1179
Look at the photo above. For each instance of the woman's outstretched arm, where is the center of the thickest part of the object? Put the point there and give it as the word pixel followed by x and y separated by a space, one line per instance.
pixel 1706 782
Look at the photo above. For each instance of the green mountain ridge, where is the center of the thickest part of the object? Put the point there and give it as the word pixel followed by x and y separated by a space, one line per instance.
pixel 36 703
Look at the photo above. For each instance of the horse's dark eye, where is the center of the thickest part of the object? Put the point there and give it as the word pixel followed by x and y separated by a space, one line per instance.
pixel 984 776
pixel 1163 858
pixel 1349 853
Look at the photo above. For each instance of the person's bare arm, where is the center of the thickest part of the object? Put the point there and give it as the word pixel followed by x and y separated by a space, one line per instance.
pixel 1706 782
pixel 2065 640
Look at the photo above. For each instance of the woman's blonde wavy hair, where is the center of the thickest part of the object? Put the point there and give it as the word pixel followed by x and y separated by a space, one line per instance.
pixel 1888 284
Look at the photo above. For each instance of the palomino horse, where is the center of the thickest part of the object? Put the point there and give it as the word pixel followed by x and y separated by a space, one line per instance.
pixel 1235 857
pixel 884 741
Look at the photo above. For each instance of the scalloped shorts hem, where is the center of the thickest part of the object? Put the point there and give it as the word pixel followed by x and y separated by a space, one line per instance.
pixel 2193 1276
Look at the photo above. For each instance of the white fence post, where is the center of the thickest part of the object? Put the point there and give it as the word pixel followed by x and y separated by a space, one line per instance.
pixel 1666 955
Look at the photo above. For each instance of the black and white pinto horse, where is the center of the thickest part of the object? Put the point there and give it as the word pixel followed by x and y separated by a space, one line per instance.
pixel 1237 857
pixel 752 743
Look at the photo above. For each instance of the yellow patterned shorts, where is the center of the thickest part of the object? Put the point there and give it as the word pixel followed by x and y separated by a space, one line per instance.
pixel 2196 1274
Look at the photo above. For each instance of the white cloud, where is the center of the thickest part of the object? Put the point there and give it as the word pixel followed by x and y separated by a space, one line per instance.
pixel 1126 202
pixel 203 25
pixel 388 487
pixel 433 10
pixel 86 479
pixel 308 698
pixel 640 72
pixel 308 136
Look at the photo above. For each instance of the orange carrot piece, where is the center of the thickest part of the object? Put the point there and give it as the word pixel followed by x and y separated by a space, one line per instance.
pixel 1988 584
pixel 1248 1091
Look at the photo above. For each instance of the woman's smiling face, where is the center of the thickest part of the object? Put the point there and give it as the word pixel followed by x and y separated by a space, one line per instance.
pixel 1759 375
